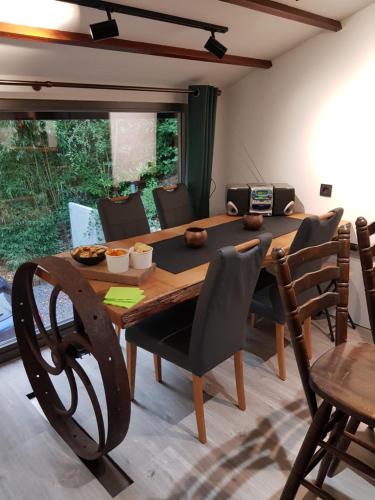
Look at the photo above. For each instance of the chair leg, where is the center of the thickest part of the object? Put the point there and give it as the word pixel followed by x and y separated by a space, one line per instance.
pixel 343 445
pixel 199 410
pixel 326 312
pixel 238 369
pixel 306 452
pixel 280 333
pixel 307 336
pixel 157 366
pixel 350 320
pixel 330 327
pixel 131 361
pixel 334 438
pixel 253 320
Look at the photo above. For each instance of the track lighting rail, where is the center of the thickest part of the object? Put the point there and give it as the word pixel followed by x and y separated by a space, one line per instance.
pixel 147 14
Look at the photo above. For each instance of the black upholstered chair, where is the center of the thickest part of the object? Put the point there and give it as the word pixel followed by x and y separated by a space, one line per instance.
pixel 173 205
pixel 266 301
pixel 199 335
pixel 122 217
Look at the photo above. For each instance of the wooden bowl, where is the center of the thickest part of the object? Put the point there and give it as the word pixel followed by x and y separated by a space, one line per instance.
pixel 252 221
pixel 89 261
pixel 195 237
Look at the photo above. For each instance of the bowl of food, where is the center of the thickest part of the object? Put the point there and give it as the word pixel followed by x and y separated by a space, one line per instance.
pixel 89 255
pixel 195 237
pixel 141 256
pixel 117 260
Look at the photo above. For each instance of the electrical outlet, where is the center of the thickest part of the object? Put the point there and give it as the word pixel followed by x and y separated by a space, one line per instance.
pixel 326 190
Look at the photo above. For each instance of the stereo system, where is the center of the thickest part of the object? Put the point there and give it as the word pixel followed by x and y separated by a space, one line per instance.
pixel 266 199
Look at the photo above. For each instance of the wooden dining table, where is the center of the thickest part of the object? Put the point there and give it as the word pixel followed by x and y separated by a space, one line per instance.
pixel 163 289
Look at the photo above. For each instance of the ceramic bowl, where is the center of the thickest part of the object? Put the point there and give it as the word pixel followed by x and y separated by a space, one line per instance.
pixel 252 221
pixel 195 237
pixel 118 263
pixel 140 260
pixel 89 261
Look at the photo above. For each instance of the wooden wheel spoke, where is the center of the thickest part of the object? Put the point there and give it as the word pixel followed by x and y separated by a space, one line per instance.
pixel 52 313
pixel 93 398
pixel 74 395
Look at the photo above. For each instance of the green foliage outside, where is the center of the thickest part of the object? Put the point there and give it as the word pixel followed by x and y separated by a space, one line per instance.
pixel 38 181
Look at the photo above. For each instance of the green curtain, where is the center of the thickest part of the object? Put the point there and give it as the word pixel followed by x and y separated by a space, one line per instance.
pixel 200 131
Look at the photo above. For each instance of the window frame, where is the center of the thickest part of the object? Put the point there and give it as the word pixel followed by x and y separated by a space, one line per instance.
pixel 29 109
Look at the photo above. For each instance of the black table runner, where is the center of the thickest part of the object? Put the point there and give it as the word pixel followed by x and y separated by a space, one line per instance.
pixel 174 256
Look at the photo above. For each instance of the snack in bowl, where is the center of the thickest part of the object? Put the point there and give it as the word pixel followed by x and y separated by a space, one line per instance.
pixel 116 252
pixel 89 254
pixel 141 248
pixel 141 256
pixel 117 260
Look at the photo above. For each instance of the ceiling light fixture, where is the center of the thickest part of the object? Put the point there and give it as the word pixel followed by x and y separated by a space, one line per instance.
pixel 104 29
pixel 212 44
pixel 215 47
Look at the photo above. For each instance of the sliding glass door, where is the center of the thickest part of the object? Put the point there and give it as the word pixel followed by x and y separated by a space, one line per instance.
pixel 54 167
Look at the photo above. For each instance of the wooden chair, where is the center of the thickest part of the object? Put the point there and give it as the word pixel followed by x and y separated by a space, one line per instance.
pixel 267 302
pixel 199 335
pixel 367 254
pixel 342 377
pixel 123 217
pixel 173 205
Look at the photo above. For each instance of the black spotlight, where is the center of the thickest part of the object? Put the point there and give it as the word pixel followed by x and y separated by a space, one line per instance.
pixel 216 48
pixel 105 29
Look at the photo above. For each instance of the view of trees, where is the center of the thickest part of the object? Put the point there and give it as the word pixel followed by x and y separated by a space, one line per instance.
pixel 39 179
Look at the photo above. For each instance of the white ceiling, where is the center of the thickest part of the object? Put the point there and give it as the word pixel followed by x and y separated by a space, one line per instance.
pixel 251 33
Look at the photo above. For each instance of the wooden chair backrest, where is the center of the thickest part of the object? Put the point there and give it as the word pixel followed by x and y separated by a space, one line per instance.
pixel 297 313
pixel 367 254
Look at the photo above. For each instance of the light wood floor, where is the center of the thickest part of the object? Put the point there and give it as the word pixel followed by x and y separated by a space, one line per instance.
pixel 248 454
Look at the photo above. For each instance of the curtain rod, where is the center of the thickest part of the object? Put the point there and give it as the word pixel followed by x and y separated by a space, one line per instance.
pixel 37 86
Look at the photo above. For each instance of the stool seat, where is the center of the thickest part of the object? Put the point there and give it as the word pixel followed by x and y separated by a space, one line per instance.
pixel 344 376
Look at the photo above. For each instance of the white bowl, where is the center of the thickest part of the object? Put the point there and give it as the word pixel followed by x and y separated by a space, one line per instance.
pixel 118 263
pixel 140 260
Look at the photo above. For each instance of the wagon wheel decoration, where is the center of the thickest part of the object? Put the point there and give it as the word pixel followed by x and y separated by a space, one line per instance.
pixel 93 333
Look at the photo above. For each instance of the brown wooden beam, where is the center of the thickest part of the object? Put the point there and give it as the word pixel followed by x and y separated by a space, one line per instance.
pixel 287 12
pixel 17 32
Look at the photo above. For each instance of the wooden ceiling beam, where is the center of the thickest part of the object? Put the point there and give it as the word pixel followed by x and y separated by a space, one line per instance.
pixel 17 32
pixel 288 12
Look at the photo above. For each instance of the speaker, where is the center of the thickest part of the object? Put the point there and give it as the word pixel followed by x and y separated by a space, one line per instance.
pixel 238 199
pixel 283 199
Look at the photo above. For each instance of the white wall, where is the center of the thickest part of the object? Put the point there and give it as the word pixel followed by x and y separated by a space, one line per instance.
pixel 310 120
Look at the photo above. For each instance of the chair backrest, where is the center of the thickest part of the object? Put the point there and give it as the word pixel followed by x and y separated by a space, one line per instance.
pixel 173 205
pixel 123 217
pixel 297 312
pixel 220 319
pixel 367 254
pixel 314 231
